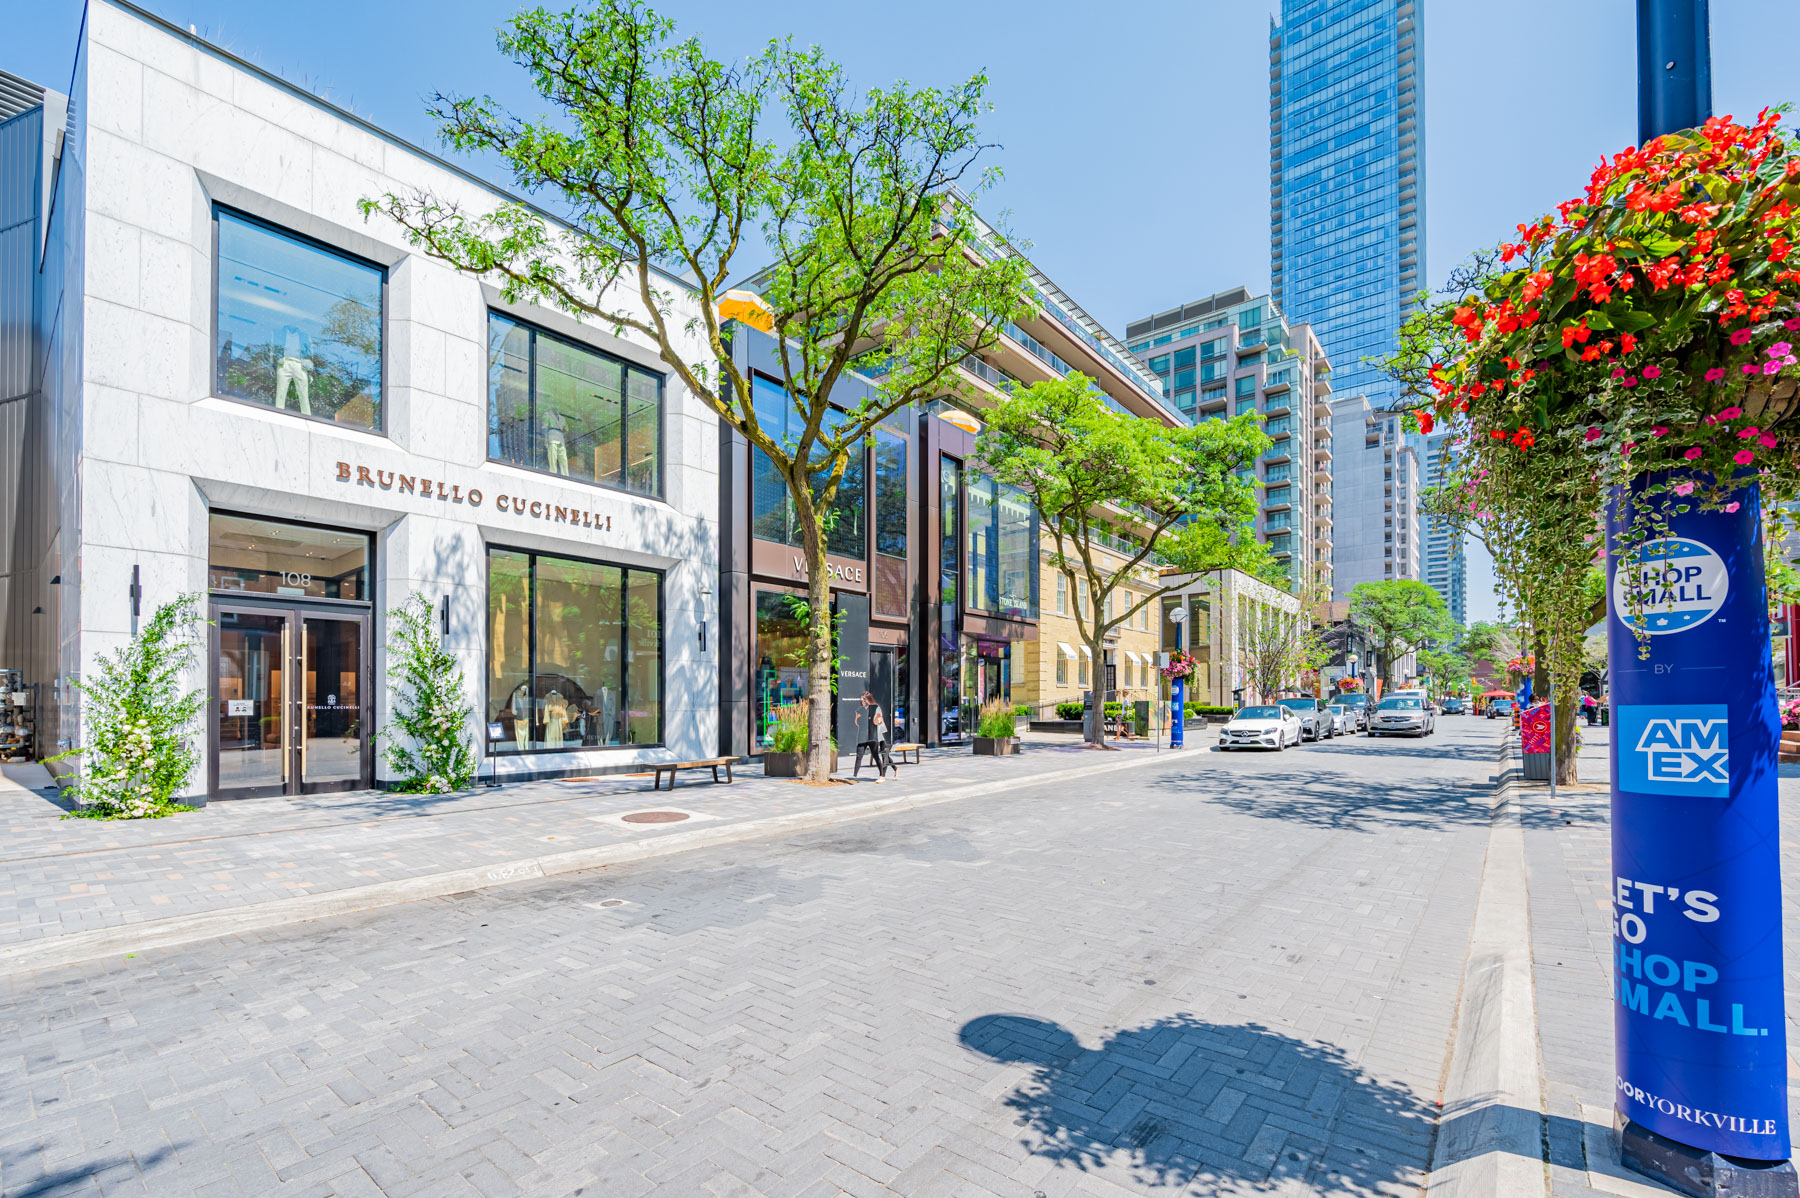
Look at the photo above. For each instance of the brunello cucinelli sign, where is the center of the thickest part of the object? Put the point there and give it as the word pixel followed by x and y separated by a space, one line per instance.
pixel 447 492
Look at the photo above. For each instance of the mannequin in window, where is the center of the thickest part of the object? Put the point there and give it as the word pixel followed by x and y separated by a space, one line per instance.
pixel 556 718
pixel 521 709
pixel 295 368
pixel 556 441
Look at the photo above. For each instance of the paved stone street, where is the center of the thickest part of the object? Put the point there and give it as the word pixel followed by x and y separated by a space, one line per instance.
pixel 61 876
pixel 1224 974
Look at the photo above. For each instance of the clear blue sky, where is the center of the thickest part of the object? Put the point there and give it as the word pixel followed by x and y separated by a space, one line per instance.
pixel 1134 136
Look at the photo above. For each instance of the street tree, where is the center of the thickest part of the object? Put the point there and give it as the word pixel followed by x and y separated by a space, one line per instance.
pixel 672 165
pixel 1402 616
pixel 1276 648
pixel 1162 495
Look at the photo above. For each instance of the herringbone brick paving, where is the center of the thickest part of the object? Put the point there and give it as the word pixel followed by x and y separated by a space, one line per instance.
pixel 1225 975
pixel 59 876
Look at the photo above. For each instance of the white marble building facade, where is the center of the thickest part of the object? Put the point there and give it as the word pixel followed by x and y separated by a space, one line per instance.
pixel 167 134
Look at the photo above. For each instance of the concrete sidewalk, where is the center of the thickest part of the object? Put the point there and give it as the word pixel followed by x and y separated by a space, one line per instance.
pixel 74 890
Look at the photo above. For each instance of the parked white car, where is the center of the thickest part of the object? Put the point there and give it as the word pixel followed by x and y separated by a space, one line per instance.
pixel 1261 728
pixel 1343 719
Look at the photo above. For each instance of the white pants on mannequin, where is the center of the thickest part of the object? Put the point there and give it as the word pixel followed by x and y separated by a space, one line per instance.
pixel 293 370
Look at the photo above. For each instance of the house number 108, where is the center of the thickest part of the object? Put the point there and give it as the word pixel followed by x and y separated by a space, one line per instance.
pixel 296 580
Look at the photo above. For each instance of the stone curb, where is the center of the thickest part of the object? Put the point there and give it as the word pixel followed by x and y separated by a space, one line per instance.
pixel 1490 1141
pixel 75 948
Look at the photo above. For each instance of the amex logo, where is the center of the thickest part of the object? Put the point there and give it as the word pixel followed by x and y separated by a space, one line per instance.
pixel 1677 750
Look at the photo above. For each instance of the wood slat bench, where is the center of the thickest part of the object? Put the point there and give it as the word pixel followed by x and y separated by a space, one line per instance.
pixel 671 768
pixel 900 752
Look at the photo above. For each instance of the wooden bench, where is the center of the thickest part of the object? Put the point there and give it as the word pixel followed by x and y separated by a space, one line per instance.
pixel 900 751
pixel 671 768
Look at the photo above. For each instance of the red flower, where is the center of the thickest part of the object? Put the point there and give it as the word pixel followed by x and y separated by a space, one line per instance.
pixel 1425 422
pixel 1535 286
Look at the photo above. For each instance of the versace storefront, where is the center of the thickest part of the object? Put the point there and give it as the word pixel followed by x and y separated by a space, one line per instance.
pixel 934 572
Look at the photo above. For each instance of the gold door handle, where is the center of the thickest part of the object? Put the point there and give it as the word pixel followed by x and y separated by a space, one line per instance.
pixel 287 707
pixel 301 730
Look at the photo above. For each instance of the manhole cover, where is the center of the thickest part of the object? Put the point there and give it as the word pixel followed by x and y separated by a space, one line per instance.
pixel 654 817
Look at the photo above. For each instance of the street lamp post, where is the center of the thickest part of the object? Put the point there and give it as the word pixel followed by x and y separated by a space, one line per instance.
pixel 1699 1021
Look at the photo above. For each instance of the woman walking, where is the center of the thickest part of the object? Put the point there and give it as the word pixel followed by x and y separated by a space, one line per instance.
pixel 877 736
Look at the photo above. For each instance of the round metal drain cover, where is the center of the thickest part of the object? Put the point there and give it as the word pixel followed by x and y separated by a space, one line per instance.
pixel 654 817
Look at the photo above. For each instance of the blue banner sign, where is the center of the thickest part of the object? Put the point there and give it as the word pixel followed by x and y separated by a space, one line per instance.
pixel 1177 710
pixel 1699 1022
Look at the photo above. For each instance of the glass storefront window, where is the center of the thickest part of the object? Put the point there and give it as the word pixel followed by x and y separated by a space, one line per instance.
pixel 772 516
pixel 574 653
pixel 273 557
pixel 298 325
pixel 570 410
pixel 1002 548
pixel 781 673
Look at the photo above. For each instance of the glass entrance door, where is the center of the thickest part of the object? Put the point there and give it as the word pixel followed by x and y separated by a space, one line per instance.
pixel 289 701
pixel 331 732
pixel 251 703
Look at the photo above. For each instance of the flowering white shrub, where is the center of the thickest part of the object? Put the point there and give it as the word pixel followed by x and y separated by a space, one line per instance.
pixel 428 743
pixel 140 743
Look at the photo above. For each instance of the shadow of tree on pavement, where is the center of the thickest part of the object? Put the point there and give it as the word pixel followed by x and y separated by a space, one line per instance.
pixel 1343 803
pixel 1227 1108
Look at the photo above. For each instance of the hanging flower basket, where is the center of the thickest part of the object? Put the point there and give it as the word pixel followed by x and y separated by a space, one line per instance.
pixel 1181 665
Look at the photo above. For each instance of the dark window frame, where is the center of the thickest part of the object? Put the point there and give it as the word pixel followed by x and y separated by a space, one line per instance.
pixel 295 600
pixel 531 613
pixel 531 387
pixel 214 389
pixel 867 557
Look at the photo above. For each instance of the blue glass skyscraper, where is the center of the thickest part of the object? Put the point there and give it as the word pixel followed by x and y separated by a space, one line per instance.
pixel 1347 184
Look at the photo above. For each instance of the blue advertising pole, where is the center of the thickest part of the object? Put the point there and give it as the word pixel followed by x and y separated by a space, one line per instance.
pixel 1177 686
pixel 1699 1020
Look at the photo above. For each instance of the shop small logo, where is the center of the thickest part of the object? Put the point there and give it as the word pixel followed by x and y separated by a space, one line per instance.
pixel 1678 750
pixel 1676 584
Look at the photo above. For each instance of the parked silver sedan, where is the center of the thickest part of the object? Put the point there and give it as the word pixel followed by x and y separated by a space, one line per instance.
pixel 1346 719
pixel 1404 715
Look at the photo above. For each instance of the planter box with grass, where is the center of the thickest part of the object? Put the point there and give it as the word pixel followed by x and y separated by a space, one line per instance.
pixel 789 765
pixel 996 746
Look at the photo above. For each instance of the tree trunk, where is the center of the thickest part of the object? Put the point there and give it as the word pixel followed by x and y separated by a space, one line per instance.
pixel 821 756
pixel 1566 761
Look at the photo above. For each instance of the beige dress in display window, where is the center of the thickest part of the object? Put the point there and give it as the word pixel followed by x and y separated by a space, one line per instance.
pixel 556 719
pixel 521 709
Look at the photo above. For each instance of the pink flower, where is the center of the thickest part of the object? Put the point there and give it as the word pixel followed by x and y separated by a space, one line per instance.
pixel 1749 367
pixel 1731 413
pixel 1684 488
pixel 1618 372
pixel 1747 433
pixel 1766 441
pixel 1780 349
pixel 1741 336
pixel 1732 506
pixel 1652 372
pixel 1661 430
pixel 1691 454
pixel 1771 367
pixel 1715 374
pixel 1792 324
pixel 1744 457
pixel 1593 434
